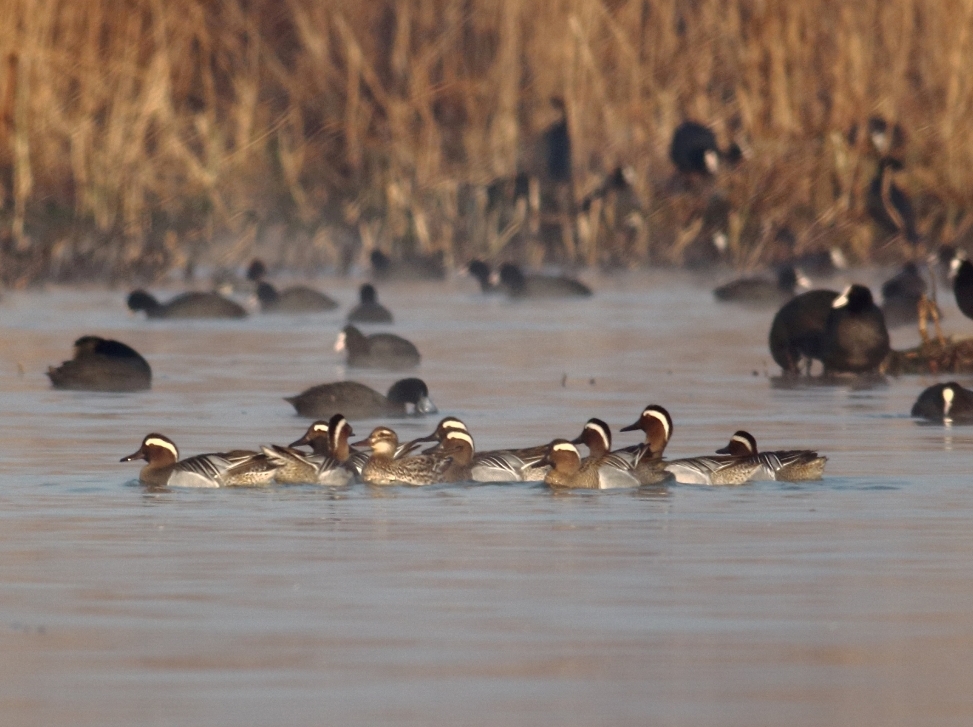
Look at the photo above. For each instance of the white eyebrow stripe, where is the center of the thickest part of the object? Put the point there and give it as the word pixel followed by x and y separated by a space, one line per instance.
pixel 156 442
pixel 661 417
pixel 319 428
pixel 457 434
pixel 595 427
pixel 342 424
pixel 565 447
pixel 742 440
pixel 454 425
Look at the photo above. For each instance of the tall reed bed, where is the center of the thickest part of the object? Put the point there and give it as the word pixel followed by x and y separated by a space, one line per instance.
pixel 139 135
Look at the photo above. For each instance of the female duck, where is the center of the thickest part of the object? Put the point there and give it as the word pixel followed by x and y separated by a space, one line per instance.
pixel 383 469
pixel 230 469
pixel 380 350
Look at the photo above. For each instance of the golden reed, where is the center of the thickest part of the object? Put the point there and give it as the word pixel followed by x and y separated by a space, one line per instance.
pixel 139 135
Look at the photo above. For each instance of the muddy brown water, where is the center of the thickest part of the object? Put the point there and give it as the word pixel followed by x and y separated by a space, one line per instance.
pixel 840 602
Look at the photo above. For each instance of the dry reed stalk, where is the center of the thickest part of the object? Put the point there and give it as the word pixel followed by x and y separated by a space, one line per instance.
pixel 204 120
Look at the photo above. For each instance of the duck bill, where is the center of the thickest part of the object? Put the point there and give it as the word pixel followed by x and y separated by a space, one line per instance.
pixel 631 427
pixel 724 450
pixel 435 448
pixel 425 406
pixel 362 443
pixel 135 455
pixel 300 442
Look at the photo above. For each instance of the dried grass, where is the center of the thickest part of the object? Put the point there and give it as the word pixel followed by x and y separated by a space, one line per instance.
pixel 138 135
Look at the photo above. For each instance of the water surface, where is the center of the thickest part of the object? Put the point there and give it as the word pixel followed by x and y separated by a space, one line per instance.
pixel 840 602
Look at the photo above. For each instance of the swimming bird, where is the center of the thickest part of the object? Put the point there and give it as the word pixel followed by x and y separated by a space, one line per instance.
pixel 518 285
pixel 369 310
pixel 101 364
pixel 798 327
pixel 321 468
pixel 713 470
pixel 656 422
pixel 693 149
pixel 296 299
pixel 222 469
pixel 785 465
pixel 378 351
pixel 412 267
pixel 502 465
pixel 569 472
pixel 638 462
pixel 944 403
pixel 357 401
pixel 187 305
pixel 855 339
pixel 383 469
pixel 760 291
pixel 961 270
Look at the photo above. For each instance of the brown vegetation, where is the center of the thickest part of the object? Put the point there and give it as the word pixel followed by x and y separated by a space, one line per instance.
pixel 139 135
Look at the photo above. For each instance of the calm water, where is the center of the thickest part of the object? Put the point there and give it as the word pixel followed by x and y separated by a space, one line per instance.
pixel 841 602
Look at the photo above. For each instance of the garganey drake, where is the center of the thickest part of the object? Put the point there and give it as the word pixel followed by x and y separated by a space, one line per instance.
pixel 503 465
pixel 357 401
pixel 377 351
pixel 383 469
pixel 101 364
pixel 568 471
pixel 320 467
pixel 784 465
pixel 597 437
pixel 945 403
pixel 649 467
pixel 223 469
pixel 187 305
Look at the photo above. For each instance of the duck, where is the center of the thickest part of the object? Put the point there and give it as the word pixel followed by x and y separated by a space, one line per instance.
pixel 889 206
pixel 357 401
pixel 855 339
pixel 762 291
pixel 369 310
pixel 458 447
pixel 296 299
pixel 377 351
pixel 321 468
pixel 568 471
pixel 383 469
pixel 412 267
pixel 944 403
pixel 596 436
pixel 647 463
pixel 961 271
pixel 518 285
pixel 713 470
pixel 102 364
pixel 786 465
pixel 798 328
pixel 502 465
pixel 186 305
pixel 901 296
pixel 222 469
